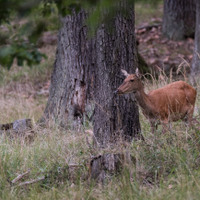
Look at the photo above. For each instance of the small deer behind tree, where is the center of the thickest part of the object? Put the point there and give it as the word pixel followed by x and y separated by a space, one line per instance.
pixel 170 103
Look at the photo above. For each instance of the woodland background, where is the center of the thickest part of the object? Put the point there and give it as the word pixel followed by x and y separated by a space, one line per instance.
pixel 58 158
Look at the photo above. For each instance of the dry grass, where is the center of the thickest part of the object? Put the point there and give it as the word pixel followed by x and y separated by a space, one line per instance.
pixel 167 165
pixel 21 89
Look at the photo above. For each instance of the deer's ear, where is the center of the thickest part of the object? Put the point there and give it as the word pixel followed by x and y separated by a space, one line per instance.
pixel 137 73
pixel 125 73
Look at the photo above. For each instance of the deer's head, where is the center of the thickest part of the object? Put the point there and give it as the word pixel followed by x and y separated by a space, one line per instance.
pixel 131 84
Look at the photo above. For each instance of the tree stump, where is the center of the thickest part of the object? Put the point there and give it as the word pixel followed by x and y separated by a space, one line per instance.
pixel 22 127
pixel 102 167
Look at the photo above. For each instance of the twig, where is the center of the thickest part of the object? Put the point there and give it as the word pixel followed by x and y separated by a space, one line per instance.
pixel 73 165
pixel 87 142
pixel 20 176
pixel 33 181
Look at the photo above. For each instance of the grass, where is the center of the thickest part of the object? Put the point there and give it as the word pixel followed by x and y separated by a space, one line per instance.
pixel 33 74
pixel 167 165
pixel 20 89
pixel 163 171
pixel 145 12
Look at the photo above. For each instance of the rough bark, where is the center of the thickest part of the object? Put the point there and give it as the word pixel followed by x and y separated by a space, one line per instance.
pixel 71 77
pixel 92 68
pixel 116 117
pixel 82 64
pixel 178 19
pixel 196 54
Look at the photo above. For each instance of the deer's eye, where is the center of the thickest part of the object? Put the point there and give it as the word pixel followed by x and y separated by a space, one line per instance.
pixel 132 80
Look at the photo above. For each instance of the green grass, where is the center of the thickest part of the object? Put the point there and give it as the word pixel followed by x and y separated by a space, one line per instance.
pixel 147 12
pixel 167 165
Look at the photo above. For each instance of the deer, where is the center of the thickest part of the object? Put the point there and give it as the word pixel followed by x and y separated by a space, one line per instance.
pixel 173 102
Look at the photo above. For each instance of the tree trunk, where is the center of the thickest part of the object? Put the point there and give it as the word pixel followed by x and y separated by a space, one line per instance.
pixel 116 117
pixel 196 54
pixel 71 76
pixel 77 60
pixel 178 19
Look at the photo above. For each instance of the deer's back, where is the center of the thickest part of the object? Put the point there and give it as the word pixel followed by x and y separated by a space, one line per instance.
pixel 173 99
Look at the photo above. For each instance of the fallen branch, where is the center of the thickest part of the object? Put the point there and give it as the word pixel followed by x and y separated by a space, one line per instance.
pixel 87 142
pixel 32 181
pixel 20 176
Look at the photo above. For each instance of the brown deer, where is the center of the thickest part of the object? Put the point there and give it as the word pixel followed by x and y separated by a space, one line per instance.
pixel 170 103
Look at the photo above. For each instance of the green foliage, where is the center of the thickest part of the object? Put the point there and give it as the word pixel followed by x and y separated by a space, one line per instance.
pixel 46 9
pixel 22 52
pixel 4 38
pixel 100 12
pixel 67 7
pixel 23 38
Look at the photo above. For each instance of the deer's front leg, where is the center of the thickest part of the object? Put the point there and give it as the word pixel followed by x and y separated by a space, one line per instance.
pixel 154 125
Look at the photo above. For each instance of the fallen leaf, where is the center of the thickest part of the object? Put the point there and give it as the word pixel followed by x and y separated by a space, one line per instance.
pixel 190 57
pixel 141 31
pixel 152 61
pixel 190 40
pixel 166 59
pixel 180 43
pixel 163 41
pixel 153 30
pixel 156 36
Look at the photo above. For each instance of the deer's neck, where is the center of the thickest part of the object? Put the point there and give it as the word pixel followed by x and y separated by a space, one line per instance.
pixel 143 100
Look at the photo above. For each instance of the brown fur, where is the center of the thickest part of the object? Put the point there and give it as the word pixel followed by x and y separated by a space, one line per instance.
pixel 172 102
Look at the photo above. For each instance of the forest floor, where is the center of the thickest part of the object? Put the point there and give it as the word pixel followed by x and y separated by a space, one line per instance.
pixel 167 165
pixel 160 52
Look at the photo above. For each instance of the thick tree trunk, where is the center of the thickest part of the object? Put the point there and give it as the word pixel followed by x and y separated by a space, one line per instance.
pixel 178 19
pixel 71 76
pixel 196 54
pixel 84 67
pixel 116 117
pixel 82 64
